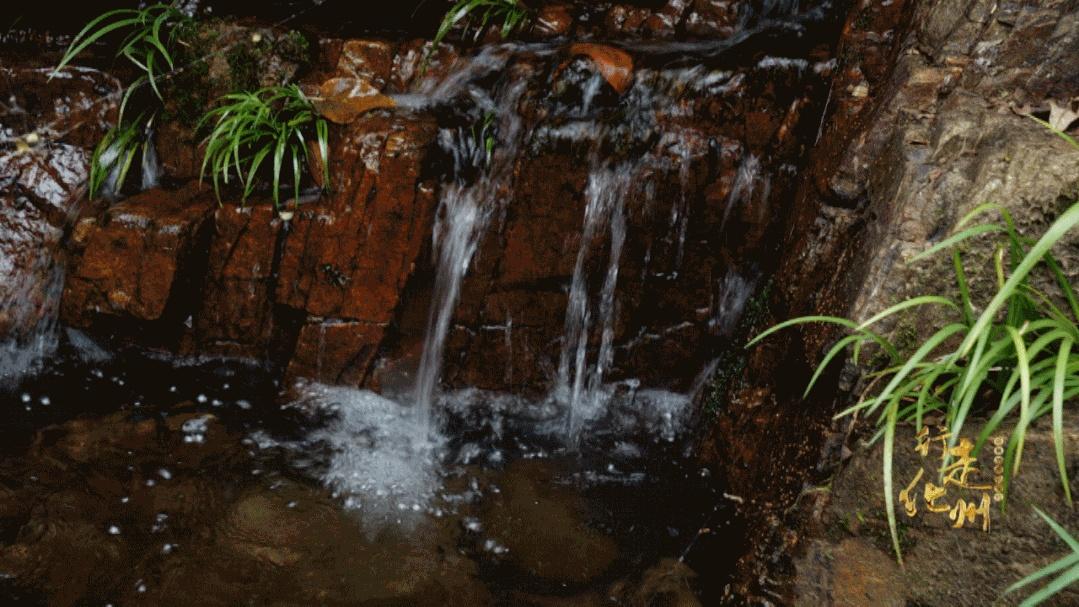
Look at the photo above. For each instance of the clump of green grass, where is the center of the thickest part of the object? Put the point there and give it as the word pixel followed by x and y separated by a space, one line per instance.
pixel 1020 347
pixel 149 46
pixel 476 15
pixel 1068 564
pixel 248 128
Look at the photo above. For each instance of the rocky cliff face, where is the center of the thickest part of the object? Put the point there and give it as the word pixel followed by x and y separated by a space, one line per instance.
pixel 341 292
pixel 925 123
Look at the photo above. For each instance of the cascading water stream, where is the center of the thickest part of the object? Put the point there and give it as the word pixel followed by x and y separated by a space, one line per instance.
pixel 465 210
pixel 579 388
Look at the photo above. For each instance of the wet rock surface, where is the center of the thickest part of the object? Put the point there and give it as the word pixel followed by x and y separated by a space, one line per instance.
pixel 132 262
pixel 44 126
pixel 922 104
pixel 236 314
pixel 337 293
pixel 924 124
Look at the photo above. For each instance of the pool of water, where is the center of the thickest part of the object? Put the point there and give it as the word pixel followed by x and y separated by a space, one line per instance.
pixel 133 479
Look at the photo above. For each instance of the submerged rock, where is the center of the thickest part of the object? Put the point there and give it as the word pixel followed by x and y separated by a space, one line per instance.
pixel 669 583
pixel 544 529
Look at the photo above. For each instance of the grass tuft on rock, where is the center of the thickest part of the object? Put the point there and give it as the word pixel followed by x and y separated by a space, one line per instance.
pixel 249 129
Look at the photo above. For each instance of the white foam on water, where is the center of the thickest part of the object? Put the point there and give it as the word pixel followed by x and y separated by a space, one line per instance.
pixel 383 460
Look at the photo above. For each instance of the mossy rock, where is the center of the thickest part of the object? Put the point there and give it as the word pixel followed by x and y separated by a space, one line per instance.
pixel 222 58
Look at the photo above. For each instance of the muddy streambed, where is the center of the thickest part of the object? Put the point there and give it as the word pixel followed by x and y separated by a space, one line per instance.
pixel 142 480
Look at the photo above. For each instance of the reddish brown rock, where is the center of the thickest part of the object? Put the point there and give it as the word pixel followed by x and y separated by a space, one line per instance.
pixel 179 151
pixel 236 314
pixel 77 105
pixel 349 258
pixel 45 127
pixel 336 352
pixel 553 20
pixel 370 60
pixel 712 18
pixel 514 345
pixel 131 257
pixel 39 193
pixel 623 19
pixel 664 22
pixel 412 62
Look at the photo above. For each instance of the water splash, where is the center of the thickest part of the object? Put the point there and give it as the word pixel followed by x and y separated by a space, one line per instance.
pixel 382 461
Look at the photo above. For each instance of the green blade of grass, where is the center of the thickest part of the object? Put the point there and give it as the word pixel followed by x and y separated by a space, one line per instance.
pixel 89 35
pixel 955 239
pixel 1024 402
pixel 1058 414
pixel 923 300
pixel 889 499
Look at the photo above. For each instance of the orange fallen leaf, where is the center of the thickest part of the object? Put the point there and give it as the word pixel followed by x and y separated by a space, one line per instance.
pixel 614 64
pixel 343 100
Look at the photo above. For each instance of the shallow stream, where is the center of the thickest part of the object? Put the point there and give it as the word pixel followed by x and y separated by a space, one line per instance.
pixel 135 479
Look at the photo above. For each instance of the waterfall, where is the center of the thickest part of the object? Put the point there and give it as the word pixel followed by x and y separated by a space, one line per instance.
pixel 30 306
pixel 465 210
pixel 151 166
pixel 463 216
pixel 580 387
